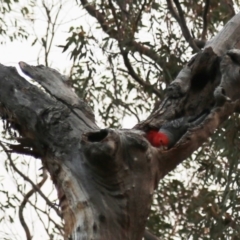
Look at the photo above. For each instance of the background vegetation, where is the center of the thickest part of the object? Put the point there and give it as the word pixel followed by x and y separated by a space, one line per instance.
pixel 121 63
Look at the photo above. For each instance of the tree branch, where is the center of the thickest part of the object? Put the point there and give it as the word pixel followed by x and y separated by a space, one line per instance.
pixel 173 11
pixel 50 34
pixel 56 85
pixel 127 63
pixel 182 23
pixel 222 41
pixel 117 101
pixel 35 187
pixel 116 19
pixel 24 202
pixel 139 15
pixel 205 20
pixel 144 84
pixel 129 43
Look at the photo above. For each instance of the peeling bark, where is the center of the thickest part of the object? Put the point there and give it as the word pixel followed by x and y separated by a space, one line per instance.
pixel 105 178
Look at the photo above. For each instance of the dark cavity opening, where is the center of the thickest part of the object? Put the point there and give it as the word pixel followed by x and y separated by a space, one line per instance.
pixel 223 91
pixel 97 136
pixel 94 227
pixel 102 218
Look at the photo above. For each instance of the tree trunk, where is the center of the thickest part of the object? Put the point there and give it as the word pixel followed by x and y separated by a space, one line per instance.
pixel 105 178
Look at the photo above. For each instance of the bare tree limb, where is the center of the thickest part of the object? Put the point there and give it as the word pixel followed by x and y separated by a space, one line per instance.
pixel 50 34
pixel 117 101
pixel 24 202
pixel 27 179
pixel 205 20
pixel 129 43
pixel 144 84
pixel 139 15
pixel 116 19
pixel 128 64
pixel 173 11
pixel 50 219
pixel 182 23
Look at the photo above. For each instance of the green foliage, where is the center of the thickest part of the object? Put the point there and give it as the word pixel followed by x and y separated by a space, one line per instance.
pixel 10 28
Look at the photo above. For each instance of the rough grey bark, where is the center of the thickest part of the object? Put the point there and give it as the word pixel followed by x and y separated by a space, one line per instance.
pixel 105 178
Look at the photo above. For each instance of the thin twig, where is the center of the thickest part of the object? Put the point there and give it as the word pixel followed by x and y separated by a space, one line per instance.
pixel 139 15
pixel 48 13
pixel 182 23
pixel 135 76
pixel 24 202
pixel 35 187
pixel 131 44
pixel 50 24
pixel 126 60
pixel 126 106
pixel 205 20
pixel 59 227
pixel 114 15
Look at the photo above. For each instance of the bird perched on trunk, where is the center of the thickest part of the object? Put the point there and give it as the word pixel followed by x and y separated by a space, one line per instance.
pixel 169 133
